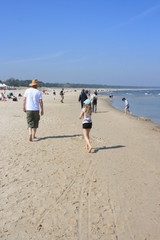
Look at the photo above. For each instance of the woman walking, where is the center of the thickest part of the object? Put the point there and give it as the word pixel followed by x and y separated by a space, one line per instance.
pixel 87 122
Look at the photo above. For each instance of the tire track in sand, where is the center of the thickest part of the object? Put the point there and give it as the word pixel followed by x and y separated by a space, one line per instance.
pixel 84 205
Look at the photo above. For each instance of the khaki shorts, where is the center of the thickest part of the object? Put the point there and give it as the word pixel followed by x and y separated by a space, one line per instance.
pixel 33 118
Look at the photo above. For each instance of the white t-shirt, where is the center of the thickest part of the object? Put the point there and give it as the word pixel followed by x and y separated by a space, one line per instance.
pixel 32 96
pixel 126 103
pixel 86 119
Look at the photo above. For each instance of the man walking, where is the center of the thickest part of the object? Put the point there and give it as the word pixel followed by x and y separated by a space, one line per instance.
pixel 31 105
pixel 82 97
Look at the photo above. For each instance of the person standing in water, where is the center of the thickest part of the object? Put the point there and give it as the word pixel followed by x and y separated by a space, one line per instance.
pixel 126 109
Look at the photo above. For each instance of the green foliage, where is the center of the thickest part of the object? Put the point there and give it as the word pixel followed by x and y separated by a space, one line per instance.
pixel 25 83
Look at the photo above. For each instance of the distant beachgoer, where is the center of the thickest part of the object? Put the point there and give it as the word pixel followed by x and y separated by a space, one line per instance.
pixel 94 99
pixel 82 97
pixel 11 96
pixel 19 95
pixel 111 97
pixel 14 98
pixel 62 95
pixel 1 97
pixel 54 94
pixel 32 102
pixel 126 109
pixel 86 113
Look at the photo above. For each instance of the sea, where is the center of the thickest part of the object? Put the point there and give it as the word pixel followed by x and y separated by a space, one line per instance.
pixel 143 102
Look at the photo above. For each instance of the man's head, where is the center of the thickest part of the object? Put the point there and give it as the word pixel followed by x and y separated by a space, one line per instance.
pixel 34 83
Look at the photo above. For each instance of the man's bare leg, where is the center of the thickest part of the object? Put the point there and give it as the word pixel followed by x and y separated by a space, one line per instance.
pixel 34 133
pixel 30 134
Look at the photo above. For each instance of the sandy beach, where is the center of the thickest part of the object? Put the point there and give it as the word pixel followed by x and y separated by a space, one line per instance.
pixel 52 188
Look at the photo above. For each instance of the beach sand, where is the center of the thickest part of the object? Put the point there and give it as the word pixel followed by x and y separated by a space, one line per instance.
pixel 53 188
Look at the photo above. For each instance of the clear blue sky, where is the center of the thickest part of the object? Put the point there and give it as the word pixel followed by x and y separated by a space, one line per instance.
pixel 114 42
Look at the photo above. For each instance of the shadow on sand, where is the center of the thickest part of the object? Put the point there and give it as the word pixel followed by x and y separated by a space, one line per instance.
pixel 107 148
pixel 101 112
pixel 63 136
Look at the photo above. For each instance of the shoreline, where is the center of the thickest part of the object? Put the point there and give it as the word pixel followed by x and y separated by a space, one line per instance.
pixel 145 119
pixel 133 115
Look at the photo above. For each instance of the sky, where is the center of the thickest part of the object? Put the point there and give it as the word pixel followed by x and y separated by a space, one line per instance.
pixel 111 42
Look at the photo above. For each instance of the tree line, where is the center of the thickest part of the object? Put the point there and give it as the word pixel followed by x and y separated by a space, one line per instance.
pixel 25 83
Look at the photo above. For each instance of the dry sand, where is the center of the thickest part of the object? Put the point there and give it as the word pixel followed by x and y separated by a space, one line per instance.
pixel 53 189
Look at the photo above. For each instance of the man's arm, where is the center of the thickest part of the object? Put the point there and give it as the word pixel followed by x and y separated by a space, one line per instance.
pixel 41 106
pixel 24 104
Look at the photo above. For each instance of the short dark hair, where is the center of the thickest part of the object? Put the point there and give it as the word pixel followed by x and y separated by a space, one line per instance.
pixel 123 99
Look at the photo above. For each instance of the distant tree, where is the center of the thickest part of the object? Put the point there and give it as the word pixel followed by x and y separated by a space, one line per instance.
pixel 25 83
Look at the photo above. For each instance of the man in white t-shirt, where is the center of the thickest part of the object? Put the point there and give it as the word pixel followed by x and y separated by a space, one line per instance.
pixel 31 105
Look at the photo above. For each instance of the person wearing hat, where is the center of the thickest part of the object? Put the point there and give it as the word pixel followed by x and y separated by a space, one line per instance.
pixel 31 105
pixel 87 122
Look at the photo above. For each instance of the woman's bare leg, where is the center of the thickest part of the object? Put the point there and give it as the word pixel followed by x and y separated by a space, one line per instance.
pixel 86 136
pixel 90 147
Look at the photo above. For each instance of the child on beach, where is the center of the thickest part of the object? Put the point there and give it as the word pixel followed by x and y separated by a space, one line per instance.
pixel 126 109
pixel 87 122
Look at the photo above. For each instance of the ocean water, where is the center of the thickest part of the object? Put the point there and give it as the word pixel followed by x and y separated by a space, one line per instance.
pixel 143 102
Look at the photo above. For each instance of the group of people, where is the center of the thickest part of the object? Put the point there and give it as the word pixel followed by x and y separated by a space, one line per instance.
pixel 4 98
pixel 54 94
pixel 88 106
pixel 94 98
pixel 33 106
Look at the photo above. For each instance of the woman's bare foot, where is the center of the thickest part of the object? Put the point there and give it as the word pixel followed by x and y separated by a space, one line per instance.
pixel 86 146
pixel 90 149
pixel 30 137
